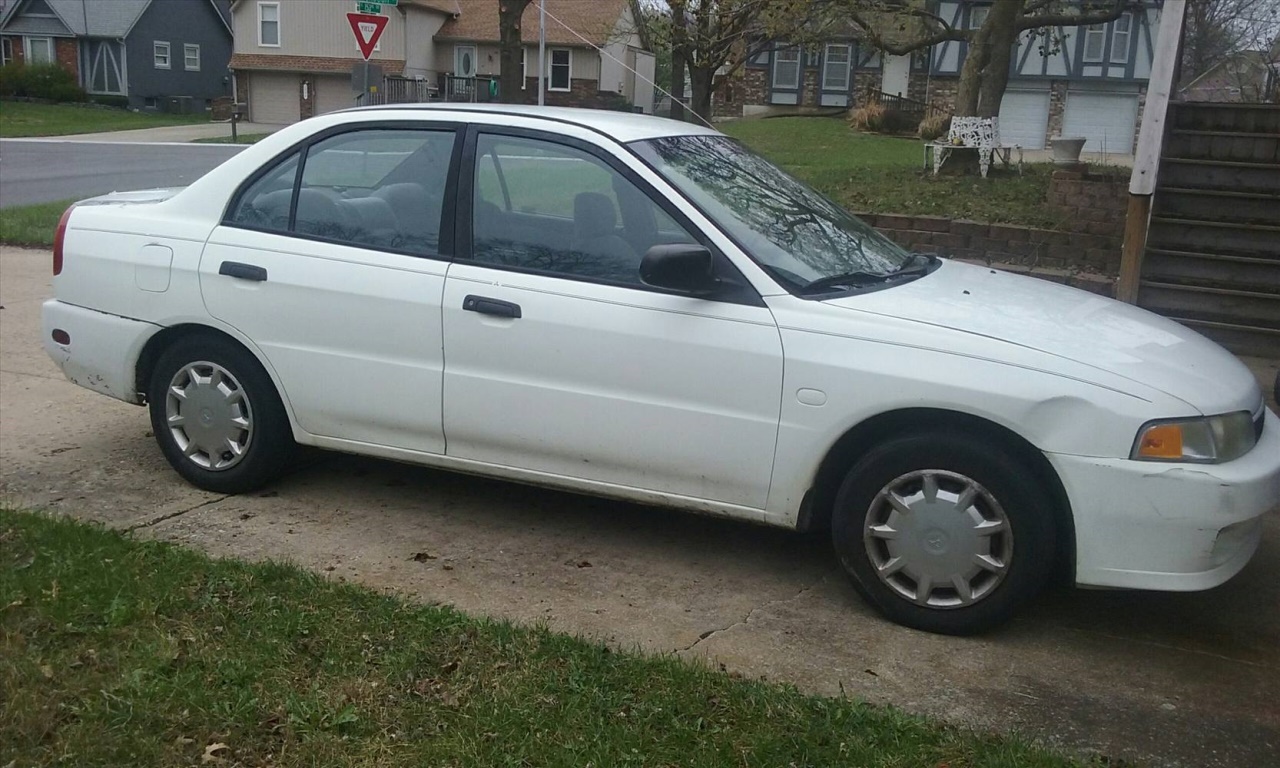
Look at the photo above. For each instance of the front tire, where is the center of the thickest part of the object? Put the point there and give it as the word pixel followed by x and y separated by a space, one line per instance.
pixel 217 417
pixel 944 533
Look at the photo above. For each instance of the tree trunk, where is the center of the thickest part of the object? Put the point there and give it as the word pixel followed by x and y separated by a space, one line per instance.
pixel 702 79
pixel 679 57
pixel 985 73
pixel 511 54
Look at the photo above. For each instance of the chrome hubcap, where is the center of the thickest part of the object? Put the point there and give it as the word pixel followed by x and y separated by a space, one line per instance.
pixel 938 539
pixel 209 416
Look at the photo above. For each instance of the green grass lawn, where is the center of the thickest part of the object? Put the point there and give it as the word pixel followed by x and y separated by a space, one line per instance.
pixel 20 118
pixel 31 225
pixel 883 174
pixel 115 652
pixel 242 138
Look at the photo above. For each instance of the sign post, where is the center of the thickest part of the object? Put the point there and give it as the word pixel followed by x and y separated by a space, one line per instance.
pixel 367 28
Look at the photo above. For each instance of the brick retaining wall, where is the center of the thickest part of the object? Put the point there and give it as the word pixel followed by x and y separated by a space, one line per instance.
pixel 1085 261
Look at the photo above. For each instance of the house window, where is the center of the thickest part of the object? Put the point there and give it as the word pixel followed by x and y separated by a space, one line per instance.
pixel 6 50
pixel 191 57
pixel 39 50
pixel 561 69
pixel 160 52
pixel 812 57
pixel 1120 39
pixel 978 16
pixel 1095 39
pixel 786 68
pixel 835 72
pixel 269 25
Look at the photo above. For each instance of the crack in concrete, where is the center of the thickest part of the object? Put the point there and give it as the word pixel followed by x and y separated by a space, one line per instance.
pixel 172 515
pixel 747 619
pixel 46 377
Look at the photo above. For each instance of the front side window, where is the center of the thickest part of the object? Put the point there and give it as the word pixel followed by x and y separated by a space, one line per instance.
pixel 1095 39
pixel 796 234
pixel 978 16
pixel 546 207
pixel 6 50
pixel 39 50
pixel 191 57
pixel 380 189
pixel 160 53
pixel 269 24
pixel 561 69
pixel 786 68
pixel 1120 39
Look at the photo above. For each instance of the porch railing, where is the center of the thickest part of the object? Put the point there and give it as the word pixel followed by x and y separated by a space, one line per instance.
pixel 904 104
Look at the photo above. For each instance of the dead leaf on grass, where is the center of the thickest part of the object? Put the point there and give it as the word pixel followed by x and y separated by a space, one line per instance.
pixel 213 752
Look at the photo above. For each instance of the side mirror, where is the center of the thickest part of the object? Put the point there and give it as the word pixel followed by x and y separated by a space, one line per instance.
pixel 682 268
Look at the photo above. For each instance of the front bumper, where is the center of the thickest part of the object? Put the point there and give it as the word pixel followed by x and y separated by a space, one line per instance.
pixel 1170 527
pixel 104 349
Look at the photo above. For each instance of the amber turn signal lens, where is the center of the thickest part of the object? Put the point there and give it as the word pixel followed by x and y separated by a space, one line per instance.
pixel 1163 441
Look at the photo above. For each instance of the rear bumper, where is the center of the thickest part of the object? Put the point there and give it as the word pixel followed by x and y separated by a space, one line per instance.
pixel 103 352
pixel 1170 527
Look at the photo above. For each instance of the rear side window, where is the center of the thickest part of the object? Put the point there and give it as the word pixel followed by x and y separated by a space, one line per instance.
pixel 377 188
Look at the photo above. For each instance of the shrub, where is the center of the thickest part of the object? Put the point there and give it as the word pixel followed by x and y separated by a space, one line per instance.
pixel 934 127
pixel 868 117
pixel 39 81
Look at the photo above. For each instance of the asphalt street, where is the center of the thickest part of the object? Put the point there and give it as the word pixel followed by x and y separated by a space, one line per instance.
pixel 42 171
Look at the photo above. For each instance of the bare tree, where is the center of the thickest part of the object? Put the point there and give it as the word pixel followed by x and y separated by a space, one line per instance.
pixel 900 27
pixel 511 52
pixel 1242 35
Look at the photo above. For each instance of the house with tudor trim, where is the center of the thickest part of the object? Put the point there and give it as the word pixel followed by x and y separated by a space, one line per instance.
pixel 1079 81
pixel 298 58
pixel 157 54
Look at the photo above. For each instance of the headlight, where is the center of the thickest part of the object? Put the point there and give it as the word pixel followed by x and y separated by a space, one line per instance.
pixel 1210 440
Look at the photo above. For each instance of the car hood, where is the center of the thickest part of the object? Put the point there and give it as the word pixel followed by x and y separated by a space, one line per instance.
pixel 1075 325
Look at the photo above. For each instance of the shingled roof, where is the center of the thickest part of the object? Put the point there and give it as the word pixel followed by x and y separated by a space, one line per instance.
pixel 95 18
pixel 593 19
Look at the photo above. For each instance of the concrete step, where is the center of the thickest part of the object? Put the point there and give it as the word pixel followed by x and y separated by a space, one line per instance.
pixel 1218 205
pixel 1242 118
pixel 1194 173
pixel 1214 270
pixel 1214 237
pixel 1224 145
pixel 1247 309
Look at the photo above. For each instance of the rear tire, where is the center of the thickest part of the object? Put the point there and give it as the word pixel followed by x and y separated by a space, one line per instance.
pixel 944 533
pixel 217 416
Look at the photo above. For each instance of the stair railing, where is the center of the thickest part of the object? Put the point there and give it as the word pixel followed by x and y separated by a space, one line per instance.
pixel 1151 136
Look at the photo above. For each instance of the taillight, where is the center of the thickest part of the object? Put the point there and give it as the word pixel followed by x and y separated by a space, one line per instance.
pixel 58 237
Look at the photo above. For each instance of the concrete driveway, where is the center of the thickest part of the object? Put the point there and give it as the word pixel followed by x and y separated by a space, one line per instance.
pixel 1166 679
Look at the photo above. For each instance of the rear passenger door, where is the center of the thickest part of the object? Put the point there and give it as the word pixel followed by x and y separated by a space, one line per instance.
pixel 332 262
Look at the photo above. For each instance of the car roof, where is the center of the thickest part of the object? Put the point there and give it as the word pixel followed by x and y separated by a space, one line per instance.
pixel 620 126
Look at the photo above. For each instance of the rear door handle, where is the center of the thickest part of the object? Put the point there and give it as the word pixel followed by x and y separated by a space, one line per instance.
pixel 487 306
pixel 243 271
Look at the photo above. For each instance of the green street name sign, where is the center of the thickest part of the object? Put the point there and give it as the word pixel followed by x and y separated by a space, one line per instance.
pixel 370 7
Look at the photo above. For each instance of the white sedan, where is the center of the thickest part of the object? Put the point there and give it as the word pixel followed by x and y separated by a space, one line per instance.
pixel 643 309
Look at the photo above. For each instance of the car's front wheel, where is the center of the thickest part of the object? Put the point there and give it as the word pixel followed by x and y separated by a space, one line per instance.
pixel 944 533
pixel 217 417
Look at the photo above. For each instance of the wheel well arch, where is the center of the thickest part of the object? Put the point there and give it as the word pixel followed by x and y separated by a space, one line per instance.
pixel 167 337
pixel 816 509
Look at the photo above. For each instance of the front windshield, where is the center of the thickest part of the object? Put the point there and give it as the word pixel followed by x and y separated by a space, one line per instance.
pixel 794 232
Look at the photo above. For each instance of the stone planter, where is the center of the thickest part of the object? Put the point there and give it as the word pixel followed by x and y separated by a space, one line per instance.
pixel 1066 151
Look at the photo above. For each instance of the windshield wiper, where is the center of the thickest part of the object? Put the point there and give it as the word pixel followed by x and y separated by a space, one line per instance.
pixel 918 266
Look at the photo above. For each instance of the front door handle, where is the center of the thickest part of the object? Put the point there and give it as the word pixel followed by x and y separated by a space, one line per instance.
pixel 487 306
pixel 243 271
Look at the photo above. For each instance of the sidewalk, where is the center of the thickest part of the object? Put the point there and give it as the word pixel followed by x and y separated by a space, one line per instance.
pixel 166 134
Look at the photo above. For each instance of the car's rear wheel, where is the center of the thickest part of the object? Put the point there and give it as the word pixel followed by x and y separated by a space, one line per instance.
pixel 217 416
pixel 944 533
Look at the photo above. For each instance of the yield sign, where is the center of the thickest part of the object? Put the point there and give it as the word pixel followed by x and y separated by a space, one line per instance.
pixel 367 28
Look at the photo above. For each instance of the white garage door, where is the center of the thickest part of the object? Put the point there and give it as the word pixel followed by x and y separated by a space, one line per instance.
pixel 273 98
pixel 1105 119
pixel 1024 117
pixel 333 93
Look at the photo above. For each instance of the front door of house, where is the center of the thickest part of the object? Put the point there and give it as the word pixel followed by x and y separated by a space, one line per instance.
pixel 464 61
